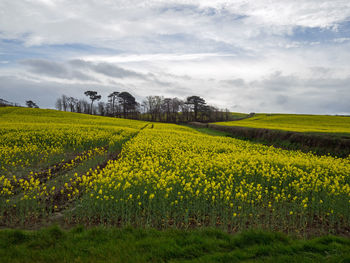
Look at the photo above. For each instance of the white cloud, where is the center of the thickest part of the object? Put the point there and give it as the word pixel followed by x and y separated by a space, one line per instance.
pixel 106 22
pixel 245 55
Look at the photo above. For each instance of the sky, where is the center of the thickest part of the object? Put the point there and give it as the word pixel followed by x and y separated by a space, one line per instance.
pixel 272 56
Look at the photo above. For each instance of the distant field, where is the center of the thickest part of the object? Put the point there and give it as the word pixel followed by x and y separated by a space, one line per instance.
pixel 299 123
pixel 238 115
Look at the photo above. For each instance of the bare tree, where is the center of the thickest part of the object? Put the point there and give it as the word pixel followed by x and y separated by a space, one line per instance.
pixel 71 102
pixel 175 108
pixel 58 104
pixel 166 105
pixel 101 108
pixel 150 104
pixel 85 107
pixel 185 110
pixel 78 106
pixel 64 102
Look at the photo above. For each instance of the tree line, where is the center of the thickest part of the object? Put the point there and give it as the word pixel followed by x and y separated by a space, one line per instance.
pixel 5 103
pixel 29 104
pixel 152 108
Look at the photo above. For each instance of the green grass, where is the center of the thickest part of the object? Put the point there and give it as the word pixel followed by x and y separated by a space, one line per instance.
pixel 149 245
pixel 209 131
pixel 335 125
pixel 238 115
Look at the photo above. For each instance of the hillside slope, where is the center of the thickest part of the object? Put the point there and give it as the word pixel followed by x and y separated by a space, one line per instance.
pixel 335 125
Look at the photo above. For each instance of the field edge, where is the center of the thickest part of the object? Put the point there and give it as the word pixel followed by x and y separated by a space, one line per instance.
pixel 128 244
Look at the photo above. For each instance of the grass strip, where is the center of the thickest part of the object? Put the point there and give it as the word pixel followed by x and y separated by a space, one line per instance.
pixel 149 245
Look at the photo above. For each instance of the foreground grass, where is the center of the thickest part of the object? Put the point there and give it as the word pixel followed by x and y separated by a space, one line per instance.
pixel 149 245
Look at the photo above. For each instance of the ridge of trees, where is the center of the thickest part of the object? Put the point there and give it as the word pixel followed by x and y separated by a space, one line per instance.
pixel 5 103
pixel 31 104
pixel 152 108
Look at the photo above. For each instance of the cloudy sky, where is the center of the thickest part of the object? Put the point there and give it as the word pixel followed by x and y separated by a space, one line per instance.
pixel 288 56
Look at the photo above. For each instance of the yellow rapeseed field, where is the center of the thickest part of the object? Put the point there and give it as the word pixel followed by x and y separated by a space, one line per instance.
pixel 336 125
pixel 36 143
pixel 171 176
